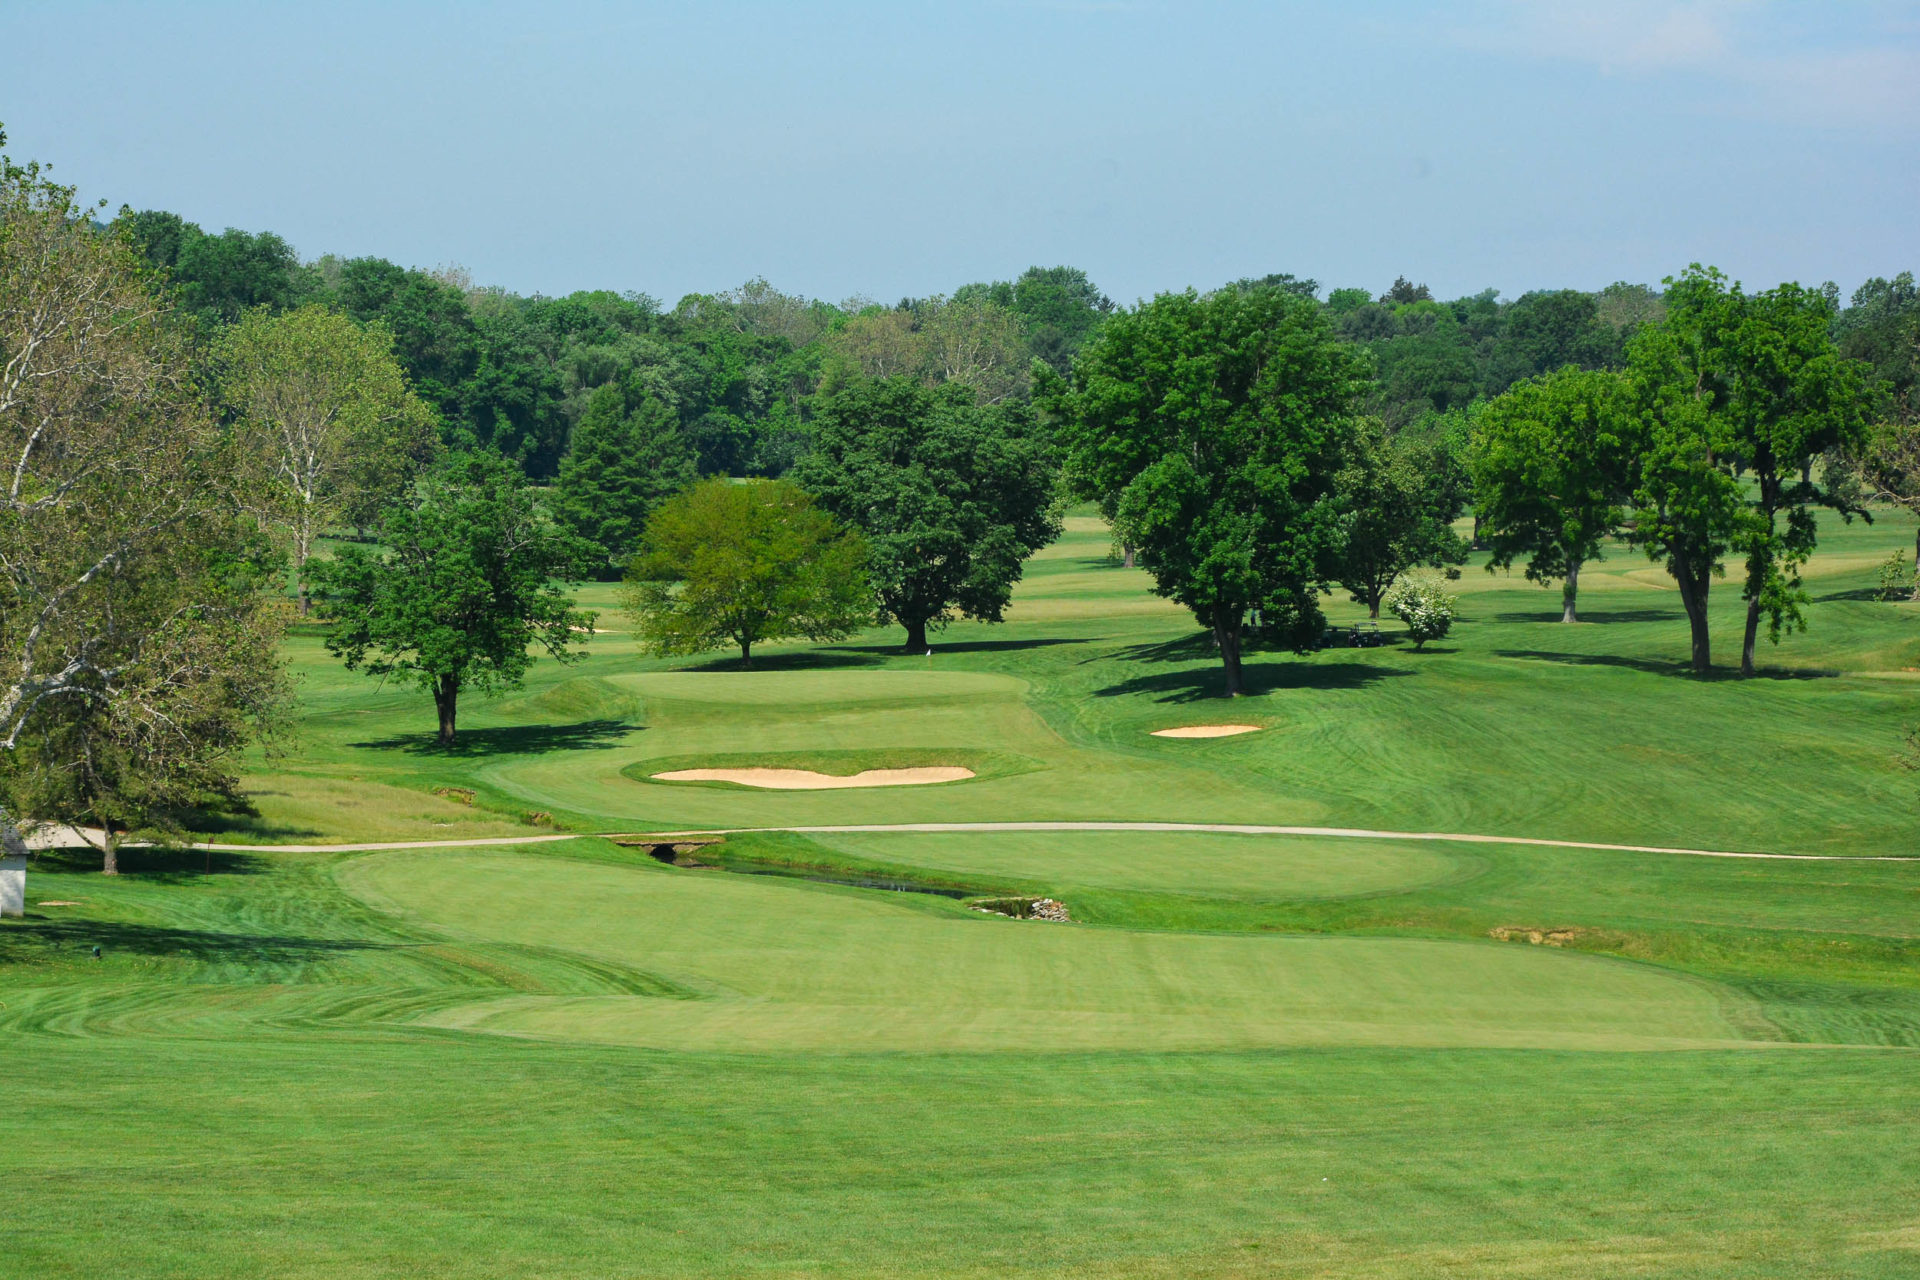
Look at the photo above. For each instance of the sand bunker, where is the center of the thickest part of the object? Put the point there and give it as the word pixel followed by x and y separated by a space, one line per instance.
pixel 808 780
pixel 1207 731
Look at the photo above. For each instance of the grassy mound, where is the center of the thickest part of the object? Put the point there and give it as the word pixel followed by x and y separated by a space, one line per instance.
pixel 580 698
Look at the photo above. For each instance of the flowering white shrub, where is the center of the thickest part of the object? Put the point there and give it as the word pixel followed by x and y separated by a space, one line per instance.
pixel 1424 605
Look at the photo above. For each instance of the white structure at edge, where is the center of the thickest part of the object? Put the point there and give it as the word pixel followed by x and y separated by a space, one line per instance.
pixel 13 886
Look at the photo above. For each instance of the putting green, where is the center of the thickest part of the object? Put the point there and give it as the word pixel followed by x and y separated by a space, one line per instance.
pixel 785 966
pixel 1162 861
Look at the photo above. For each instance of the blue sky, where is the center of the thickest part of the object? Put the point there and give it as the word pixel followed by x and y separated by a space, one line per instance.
pixel 890 149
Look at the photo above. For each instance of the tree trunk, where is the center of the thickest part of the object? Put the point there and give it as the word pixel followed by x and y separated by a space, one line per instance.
pixel 110 853
pixel 1568 591
pixel 303 548
pixel 1757 570
pixel 1126 556
pixel 1373 604
pixel 746 654
pixel 446 697
pixel 1227 639
pixel 1752 639
pixel 916 635
pixel 1693 595
pixel 1916 565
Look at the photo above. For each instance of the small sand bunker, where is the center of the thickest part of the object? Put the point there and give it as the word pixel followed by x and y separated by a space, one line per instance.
pixel 1207 731
pixel 808 780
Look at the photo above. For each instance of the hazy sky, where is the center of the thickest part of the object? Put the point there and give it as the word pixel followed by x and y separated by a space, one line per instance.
pixel 895 148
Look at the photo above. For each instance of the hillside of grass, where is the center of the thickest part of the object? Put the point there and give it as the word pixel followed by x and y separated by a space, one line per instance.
pixel 1245 1056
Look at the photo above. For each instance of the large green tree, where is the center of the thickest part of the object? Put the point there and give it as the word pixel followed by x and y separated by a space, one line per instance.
pixel 1400 502
pixel 1218 424
pixel 737 563
pixel 1548 330
pixel 469 575
pixel 323 416
pixel 1788 397
pixel 1882 327
pixel 952 496
pixel 1549 462
pixel 1891 465
pixel 125 623
pixel 625 458
pixel 1687 506
pixel 218 278
pixel 144 748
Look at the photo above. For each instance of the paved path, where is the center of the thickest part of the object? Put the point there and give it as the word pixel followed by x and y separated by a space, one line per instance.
pixel 57 837
pixel 391 844
pixel 1228 828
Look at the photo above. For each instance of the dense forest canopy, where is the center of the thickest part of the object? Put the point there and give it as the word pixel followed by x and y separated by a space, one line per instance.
pixel 737 373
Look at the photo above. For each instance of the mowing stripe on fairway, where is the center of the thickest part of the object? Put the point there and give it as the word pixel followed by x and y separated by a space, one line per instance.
pixel 1223 828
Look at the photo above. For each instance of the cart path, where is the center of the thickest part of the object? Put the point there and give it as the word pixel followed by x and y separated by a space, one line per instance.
pixel 1226 828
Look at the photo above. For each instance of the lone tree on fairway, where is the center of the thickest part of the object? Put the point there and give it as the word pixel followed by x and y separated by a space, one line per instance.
pixel 469 576
pixel 951 496
pixel 1219 424
pixel 1549 469
pixel 624 460
pixel 731 563
pixel 1400 503
pixel 323 412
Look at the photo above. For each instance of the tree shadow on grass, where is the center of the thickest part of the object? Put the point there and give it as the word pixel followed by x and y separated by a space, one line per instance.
pixel 1190 648
pixel 1195 684
pixel 150 863
pixel 1665 666
pixel 806 660
pixel 966 646
pixel 116 937
pixel 1868 594
pixel 1600 616
pixel 531 739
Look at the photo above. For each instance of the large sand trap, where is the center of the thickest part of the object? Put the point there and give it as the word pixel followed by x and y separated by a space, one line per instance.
pixel 808 780
pixel 1207 731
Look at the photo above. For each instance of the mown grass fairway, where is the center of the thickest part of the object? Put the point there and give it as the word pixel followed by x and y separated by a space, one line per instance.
pixel 1248 1056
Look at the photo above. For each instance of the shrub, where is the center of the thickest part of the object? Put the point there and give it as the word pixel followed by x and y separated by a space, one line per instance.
pixel 1896 580
pixel 1420 601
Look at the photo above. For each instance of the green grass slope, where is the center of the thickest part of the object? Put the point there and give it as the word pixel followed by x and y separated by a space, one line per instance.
pixel 1247 1057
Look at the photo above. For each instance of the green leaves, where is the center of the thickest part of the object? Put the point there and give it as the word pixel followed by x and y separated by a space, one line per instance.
pixel 1550 466
pixel 468 578
pixel 1213 428
pixel 745 563
pixel 952 496
pixel 1400 500
pixel 623 463
pixel 1737 397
